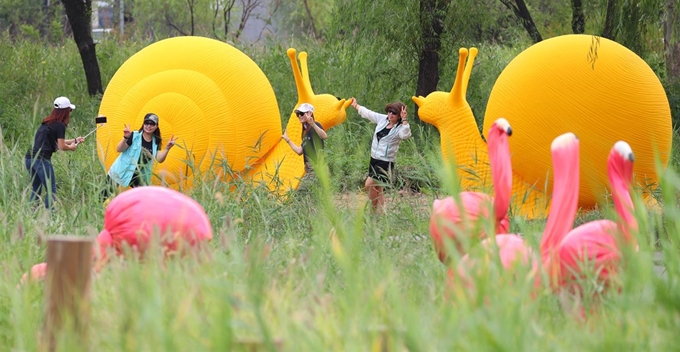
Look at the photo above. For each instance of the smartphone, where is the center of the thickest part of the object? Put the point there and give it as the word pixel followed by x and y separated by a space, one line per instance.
pixel 100 119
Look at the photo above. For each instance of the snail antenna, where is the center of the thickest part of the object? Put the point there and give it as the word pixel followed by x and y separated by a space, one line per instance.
pixel 302 83
pixel 459 88
pixel 305 71
pixel 468 70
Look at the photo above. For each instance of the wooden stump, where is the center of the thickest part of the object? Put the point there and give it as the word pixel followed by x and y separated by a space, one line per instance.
pixel 69 270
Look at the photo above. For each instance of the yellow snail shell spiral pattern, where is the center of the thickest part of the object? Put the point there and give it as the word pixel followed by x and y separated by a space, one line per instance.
pixel 208 94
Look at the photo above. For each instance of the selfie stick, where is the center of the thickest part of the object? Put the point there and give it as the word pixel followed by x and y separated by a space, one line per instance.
pixel 92 131
pixel 100 120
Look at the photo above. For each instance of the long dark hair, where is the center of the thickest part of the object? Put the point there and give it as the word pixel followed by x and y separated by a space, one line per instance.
pixel 58 115
pixel 156 133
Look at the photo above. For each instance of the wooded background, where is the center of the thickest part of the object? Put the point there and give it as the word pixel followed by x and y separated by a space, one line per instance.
pixel 410 42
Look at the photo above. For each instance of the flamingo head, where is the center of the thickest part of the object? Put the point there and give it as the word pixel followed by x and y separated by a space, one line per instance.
pixel 622 159
pixel 502 125
pixel 501 168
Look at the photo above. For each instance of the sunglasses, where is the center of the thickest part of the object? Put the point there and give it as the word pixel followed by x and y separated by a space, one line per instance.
pixel 299 113
pixel 150 123
pixel 392 112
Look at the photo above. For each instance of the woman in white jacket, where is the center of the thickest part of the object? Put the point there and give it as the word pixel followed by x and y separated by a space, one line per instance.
pixel 390 130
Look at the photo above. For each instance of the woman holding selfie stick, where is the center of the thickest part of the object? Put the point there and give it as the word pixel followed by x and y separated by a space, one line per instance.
pixel 49 138
pixel 390 130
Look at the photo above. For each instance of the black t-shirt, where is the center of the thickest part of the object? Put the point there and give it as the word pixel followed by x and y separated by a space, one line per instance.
pixel 382 133
pixel 146 155
pixel 45 141
pixel 310 142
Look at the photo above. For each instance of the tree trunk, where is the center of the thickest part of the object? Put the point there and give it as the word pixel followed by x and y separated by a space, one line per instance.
pixel 610 21
pixel 522 13
pixel 578 18
pixel 79 14
pixel 432 18
pixel 671 45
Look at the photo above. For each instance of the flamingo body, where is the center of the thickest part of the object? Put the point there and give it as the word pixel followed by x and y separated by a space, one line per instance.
pixel 448 221
pixel 459 221
pixel 593 242
pixel 566 254
pixel 38 272
pixel 135 216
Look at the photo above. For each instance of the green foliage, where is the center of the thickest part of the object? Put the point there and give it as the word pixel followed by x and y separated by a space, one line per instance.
pixel 29 19
pixel 481 21
pixel 301 18
pixel 317 271
pixel 320 272
pixel 29 32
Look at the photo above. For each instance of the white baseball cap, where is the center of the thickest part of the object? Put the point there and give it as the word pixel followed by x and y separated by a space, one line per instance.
pixel 305 107
pixel 63 103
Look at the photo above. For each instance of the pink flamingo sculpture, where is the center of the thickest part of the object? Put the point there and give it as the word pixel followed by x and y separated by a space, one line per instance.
pixel 135 216
pixel 512 250
pixel 38 272
pixel 565 158
pixel 452 220
pixel 600 241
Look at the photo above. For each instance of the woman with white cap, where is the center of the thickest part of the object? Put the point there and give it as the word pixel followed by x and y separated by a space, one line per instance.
pixel 138 149
pixel 49 138
pixel 313 135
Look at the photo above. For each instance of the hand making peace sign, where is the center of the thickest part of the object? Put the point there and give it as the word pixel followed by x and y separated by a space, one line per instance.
pixel 171 143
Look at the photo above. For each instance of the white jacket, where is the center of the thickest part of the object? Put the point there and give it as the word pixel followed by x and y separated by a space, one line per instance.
pixel 385 149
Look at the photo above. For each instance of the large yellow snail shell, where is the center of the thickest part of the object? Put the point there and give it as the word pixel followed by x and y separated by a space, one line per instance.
pixel 211 96
pixel 593 87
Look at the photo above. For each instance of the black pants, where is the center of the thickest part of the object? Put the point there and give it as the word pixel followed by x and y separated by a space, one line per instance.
pixel 111 185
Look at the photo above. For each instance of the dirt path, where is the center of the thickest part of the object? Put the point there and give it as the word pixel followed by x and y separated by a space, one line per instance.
pixel 419 202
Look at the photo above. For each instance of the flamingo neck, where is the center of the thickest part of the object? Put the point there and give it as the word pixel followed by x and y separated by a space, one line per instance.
pixel 623 204
pixel 501 172
pixel 564 201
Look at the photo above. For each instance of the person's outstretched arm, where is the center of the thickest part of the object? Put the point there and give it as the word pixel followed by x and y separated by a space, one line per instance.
pixel 296 148
pixel 160 156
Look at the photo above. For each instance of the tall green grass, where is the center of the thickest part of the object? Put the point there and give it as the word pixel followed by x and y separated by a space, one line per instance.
pixel 321 272
pixel 317 271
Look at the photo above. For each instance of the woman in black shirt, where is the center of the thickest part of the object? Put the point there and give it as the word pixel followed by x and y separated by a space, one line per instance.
pixel 49 138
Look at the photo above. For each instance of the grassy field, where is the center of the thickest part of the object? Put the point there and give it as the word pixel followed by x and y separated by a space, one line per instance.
pixel 319 272
pixel 315 272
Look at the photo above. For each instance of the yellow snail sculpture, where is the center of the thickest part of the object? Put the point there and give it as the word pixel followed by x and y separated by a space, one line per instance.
pixel 591 86
pixel 219 104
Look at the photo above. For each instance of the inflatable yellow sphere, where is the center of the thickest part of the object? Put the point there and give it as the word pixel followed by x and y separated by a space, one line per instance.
pixel 219 105
pixel 206 93
pixel 593 87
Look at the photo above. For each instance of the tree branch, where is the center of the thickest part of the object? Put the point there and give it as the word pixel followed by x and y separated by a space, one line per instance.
pixel 522 13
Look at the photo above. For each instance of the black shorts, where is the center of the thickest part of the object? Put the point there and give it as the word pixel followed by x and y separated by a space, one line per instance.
pixel 380 170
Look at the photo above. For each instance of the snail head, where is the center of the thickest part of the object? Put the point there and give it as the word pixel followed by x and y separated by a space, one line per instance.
pixel 328 109
pixel 438 108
